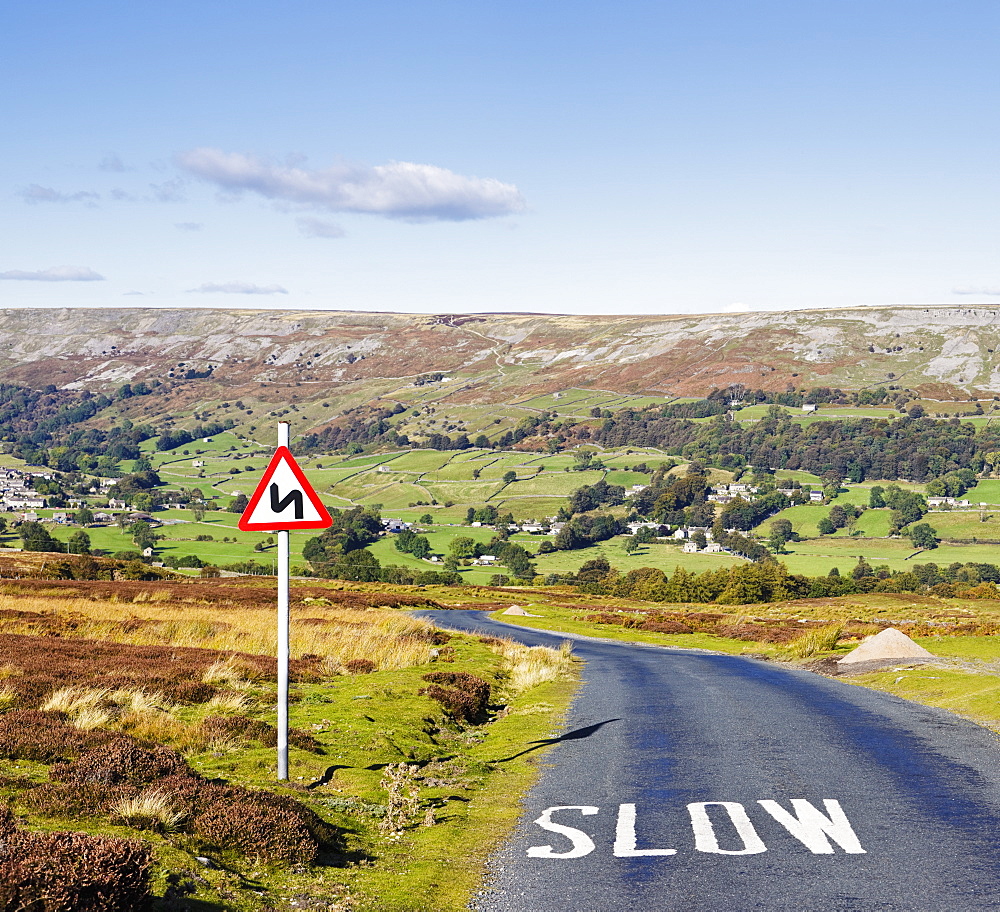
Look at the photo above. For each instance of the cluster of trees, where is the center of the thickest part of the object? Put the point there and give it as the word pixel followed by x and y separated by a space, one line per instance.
pixel 35 537
pixel 170 440
pixel 675 500
pixel 350 531
pixel 585 530
pixel 855 448
pixel 746 514
pixel 43 427
pixel 360 565
pixel 907 506
pixel 488 515
pixel 591 497
pixel 770 581
pixel 408 542
pixel 839 517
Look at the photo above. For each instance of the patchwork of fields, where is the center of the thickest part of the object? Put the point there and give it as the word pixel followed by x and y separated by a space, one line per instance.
pixel 435 489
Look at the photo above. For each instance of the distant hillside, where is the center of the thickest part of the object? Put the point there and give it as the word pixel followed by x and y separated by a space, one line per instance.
pixel 497 356
pixel 470 373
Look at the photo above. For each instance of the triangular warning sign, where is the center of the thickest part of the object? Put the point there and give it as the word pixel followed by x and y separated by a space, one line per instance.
pixel 284 499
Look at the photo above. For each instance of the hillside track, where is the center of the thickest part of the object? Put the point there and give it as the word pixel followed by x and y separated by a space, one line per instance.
pixel 693 780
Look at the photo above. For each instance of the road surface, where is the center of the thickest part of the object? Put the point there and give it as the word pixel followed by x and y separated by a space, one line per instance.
pixel 697 781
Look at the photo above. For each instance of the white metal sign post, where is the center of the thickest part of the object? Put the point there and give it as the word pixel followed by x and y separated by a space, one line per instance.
pixel 283 500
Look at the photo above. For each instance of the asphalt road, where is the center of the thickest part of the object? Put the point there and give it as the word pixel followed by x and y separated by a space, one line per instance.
pixel 698 781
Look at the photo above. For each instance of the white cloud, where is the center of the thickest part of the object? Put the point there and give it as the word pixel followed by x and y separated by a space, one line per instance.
pixel 237 288
pixel 314 227
pixel 189 226
pixel 397 190
pixel 127 294
pixel 53 274
pixel 977 290
pixel 35 193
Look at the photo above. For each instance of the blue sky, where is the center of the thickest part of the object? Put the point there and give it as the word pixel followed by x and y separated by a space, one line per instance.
pixel 634 157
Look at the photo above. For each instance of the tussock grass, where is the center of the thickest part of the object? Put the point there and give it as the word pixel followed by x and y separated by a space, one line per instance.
pixel 8 696
pixel 148 716
pixel 228 671
pixel 150 810
pixel 75 700
pixel 526 667
pixel 228 702
pixel 822 639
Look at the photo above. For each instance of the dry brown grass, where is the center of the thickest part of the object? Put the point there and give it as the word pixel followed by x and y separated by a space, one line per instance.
pixel 152 809
pixel 8 697
pixel 528 666
pixel 390 639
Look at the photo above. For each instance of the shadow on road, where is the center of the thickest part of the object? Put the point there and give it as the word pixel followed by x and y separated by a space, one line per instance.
pixel 578 734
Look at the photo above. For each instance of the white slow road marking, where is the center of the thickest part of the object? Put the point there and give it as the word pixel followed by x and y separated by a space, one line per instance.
pixel 807 823
pixel 582 843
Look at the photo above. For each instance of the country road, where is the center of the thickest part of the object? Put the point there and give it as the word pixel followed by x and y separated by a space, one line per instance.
pixel 697 781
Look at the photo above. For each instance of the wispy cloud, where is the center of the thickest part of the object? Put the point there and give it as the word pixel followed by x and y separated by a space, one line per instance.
pixel 35 193
pixel 237 288
pixel 127 294
pixel 314 227
pixel 397 190
pixel 977 290
pixel 170 191
pixel 111 162
pixel 189 226
pixel 53 274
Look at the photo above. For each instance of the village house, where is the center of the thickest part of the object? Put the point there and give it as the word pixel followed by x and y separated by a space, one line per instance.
pixel 395 525
pixel 486 560
pixel 534 528
pixel 634 527
pixel 815 497
pixel 22 501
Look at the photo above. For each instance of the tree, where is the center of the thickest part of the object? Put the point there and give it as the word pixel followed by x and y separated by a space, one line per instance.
pixel 825 527
pixel 876 497
pixel 517 560
pixel 509 477
pixel 78 543
pixel 239 504
pixel 84 516
pixel 35 537
pixel 462 546
pixel 923 535
pixel 421 547
pixel 631 545
pixel 142 535
pixel 427 519
pixel 350 530
pixel 862 569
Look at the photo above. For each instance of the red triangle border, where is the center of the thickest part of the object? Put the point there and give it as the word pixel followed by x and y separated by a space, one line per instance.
pixel 283 454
